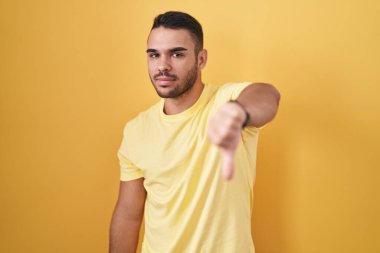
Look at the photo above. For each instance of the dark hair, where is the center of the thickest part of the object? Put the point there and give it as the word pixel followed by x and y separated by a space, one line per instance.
pixel 181 20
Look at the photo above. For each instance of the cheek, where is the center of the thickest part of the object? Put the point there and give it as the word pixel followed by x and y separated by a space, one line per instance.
pixel 185 67
pixel 151 68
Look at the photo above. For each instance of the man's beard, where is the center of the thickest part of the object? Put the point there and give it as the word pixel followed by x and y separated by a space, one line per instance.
pixel 179 89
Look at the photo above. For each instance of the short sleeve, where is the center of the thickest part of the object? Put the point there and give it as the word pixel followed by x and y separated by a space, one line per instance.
pixel 232 90
pixel 128 171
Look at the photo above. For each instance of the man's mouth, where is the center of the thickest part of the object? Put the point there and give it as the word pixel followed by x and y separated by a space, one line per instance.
pixel 164 82
pixel 165 79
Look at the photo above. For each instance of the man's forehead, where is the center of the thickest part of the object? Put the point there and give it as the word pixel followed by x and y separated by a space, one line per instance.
pixel 165 38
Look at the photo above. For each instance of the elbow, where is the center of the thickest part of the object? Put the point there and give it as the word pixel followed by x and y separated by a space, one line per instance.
pixel 269 104
pixel 277 95
pixel 269 89
pixel 273 90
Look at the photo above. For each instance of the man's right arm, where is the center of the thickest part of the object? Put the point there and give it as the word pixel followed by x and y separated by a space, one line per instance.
pixel 127 217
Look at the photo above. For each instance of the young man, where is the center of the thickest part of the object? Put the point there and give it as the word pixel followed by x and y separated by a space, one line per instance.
pixel 178 157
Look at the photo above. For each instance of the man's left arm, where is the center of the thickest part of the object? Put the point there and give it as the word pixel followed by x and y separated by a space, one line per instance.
pixel 261 101
pixel 257 103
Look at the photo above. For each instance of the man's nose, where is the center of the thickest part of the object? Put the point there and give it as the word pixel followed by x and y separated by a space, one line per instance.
pixel 164 65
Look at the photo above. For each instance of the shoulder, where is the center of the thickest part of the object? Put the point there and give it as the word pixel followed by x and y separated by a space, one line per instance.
pixel 143 119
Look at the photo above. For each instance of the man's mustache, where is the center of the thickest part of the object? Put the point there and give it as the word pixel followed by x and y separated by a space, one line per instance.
pixel 164 74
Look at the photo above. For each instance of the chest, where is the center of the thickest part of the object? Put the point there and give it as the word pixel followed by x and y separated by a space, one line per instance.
pixel 169 147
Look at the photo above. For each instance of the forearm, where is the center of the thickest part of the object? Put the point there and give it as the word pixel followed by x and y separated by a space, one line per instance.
pixel 124 232
pixel 261 101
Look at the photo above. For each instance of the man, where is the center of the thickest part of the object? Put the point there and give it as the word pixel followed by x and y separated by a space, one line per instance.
pixel 171 155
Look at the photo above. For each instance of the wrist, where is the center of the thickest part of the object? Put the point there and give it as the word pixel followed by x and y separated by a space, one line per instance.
pixel 247 115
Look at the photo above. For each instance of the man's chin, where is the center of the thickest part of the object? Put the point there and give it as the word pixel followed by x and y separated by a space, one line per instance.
pixel 166 95
pixel 167 92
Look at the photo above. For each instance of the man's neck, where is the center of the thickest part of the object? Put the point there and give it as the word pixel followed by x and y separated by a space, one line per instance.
pixel 185 101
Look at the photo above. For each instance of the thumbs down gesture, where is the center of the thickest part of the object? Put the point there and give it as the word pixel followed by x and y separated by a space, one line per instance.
pixel 224 131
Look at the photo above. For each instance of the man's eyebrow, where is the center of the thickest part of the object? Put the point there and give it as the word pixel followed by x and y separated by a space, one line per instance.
pixel 172 50
pixel 176 49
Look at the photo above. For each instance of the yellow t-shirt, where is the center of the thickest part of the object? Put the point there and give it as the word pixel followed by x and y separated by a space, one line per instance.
pixel 189 206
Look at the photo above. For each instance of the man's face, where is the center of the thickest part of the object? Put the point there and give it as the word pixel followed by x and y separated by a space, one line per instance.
pixel 172 63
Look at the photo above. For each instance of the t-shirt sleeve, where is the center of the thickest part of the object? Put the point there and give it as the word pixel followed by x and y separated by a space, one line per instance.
pixel 232 90
pixel 128 171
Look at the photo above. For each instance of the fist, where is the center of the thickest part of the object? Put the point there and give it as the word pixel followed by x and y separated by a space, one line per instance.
pixel 224 131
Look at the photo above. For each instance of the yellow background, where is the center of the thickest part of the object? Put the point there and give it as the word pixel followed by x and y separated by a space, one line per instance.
pixel 73 72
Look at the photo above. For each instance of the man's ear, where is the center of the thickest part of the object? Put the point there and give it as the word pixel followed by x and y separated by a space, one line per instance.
pixel 202 58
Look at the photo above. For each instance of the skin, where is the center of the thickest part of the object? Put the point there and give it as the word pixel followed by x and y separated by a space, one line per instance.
pixel 175 72
pixel 173 52
pixel 261 101
pixel 127 217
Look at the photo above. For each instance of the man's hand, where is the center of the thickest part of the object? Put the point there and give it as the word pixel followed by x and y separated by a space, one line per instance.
pixel 224 131
pixel 260 101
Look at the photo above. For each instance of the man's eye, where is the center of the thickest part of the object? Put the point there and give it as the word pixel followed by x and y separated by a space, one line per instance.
pixel 153 55
pixel 177 55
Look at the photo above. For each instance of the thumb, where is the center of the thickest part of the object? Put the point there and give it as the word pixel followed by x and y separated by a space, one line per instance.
pixel 227 163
